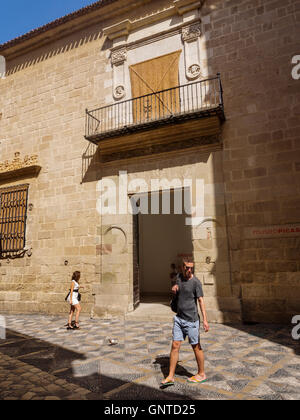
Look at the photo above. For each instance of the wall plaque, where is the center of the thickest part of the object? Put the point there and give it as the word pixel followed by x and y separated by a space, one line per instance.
pixel 280 231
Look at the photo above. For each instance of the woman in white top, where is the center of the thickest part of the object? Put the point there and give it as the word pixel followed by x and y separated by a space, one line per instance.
pixel 74 301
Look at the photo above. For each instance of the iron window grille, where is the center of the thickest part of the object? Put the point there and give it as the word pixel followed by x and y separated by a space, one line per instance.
pixel 13 215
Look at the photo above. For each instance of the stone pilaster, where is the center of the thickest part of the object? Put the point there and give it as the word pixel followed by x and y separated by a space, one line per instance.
pixel 118 59
pixel 190 39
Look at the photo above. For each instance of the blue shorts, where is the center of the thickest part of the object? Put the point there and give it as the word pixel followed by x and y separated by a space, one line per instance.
pixel 183 328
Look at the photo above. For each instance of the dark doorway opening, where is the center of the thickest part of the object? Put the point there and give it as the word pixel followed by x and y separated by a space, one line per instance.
pixel 161 238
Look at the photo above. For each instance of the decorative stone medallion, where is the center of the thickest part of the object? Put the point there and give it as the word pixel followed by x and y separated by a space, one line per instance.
pixel 119 92
pixel 194 71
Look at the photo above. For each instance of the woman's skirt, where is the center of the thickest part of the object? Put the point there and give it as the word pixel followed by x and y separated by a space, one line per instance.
pixel 74 299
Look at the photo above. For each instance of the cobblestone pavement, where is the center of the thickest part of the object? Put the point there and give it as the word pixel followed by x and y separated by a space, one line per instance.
pixel 40 359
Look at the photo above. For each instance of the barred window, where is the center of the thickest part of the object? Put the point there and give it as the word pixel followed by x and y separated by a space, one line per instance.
pixel 13 213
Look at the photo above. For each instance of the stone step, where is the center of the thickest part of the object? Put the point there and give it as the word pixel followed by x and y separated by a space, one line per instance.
pixel 152 312
pixel 161 312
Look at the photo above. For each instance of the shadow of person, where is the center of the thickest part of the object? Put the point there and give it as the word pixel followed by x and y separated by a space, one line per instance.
pixel 164 361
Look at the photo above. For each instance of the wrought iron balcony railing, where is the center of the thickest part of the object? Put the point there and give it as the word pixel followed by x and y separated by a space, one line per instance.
pixel 194 100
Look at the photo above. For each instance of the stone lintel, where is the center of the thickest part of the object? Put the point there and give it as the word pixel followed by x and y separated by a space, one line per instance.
pixel 29 171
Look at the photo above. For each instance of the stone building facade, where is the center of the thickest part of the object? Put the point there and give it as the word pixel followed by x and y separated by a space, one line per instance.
pixel 235 152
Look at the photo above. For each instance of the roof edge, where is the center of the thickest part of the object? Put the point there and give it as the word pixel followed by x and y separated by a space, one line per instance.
pixel 51 25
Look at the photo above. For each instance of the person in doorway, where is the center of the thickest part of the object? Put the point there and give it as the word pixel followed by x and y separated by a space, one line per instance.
pixel 173 274
pixel 74 301
pixel 187 322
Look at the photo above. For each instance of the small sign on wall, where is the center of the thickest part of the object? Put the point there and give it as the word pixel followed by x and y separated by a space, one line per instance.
pixel 209 279
pixel 280 231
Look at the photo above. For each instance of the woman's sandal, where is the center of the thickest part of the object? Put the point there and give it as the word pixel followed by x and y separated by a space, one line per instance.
pixel 70 327
pixel 76 326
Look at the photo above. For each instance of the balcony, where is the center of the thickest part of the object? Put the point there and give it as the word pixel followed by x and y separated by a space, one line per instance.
pixel 177 116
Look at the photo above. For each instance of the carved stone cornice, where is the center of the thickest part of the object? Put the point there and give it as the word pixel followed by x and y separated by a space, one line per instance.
pixel 118 30
pixel 18 163
pixel 185 6
pixel 19 167
pixel 126 27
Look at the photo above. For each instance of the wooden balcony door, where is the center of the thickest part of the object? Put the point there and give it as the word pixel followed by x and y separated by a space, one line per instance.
pixel 150 77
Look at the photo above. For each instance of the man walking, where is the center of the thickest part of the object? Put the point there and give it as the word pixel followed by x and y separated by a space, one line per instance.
pixel 187 322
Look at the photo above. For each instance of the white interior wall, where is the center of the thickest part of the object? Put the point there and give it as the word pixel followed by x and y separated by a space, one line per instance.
pixel 162 238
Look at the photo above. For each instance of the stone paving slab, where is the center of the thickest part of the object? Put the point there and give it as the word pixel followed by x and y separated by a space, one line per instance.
pixel 41 360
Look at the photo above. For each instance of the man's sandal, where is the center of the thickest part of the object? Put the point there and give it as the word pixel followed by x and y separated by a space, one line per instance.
pixel 166 384
pixel 195 380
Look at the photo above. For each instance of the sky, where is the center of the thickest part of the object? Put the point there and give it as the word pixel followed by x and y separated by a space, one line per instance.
pixel 17 17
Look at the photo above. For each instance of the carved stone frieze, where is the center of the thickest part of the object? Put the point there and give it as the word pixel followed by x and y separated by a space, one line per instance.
pixel 191 33
pixel 18 163
pixel 209 141
pixel 119 56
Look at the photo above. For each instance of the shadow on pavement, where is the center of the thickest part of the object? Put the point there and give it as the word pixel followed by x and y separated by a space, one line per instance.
pixel 76 369
pixel 164 365
pixel 277 335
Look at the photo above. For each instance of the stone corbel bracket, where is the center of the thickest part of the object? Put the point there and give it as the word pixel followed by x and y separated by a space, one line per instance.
pixel 185 6
pixel 119 30
pixel 190 39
